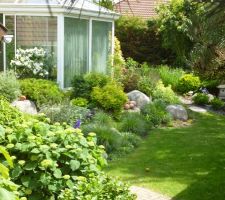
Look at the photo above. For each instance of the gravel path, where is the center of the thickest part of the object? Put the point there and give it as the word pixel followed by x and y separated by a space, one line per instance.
pixel 145 194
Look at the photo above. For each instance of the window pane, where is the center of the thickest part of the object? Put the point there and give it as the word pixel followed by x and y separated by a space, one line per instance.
pixel 1 47
pixel 38 32
pixel 10 48
pixel 75 49
pixel 101 45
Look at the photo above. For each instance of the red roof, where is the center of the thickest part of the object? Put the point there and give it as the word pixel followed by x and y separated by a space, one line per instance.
pixel 142 8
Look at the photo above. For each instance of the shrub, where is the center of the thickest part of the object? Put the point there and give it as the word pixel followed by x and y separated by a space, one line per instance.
pixel 65 113
pixel 135 123
pixel 217 103
pixel 145 85
pixel 31 63
pixel 140 40
pixel 129 77
pixel 9 114
pixel 41 91
pixel 110 98
pixel 156 113
pixel 9 86
pixel 83 85
pixel 165 93
pixel 201 99
pixel 60 162
pixel 170 76
pixel 81 102
pixel 188 82
pixel 211 85
pixel 118 60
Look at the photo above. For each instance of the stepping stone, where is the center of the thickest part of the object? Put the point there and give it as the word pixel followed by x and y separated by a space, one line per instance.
pixel 145 194
pixel 197 109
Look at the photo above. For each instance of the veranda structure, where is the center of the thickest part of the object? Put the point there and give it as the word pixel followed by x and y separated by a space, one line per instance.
pixel 80 35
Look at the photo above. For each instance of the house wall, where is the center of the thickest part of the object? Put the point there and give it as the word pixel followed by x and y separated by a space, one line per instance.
pixel 141 8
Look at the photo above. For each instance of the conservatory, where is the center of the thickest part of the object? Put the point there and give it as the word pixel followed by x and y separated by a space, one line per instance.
pixel 78 33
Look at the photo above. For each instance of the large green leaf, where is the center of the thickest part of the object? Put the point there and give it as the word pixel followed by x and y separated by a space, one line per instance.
pixel 16 171
pixel 7 156
pixel 6 195
pixel 4 171
pixel 74 165
pixel 57 173
pixel 25 180
pixel 30 166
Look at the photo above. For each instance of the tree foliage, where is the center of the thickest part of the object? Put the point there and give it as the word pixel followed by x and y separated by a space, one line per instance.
pixel 195 32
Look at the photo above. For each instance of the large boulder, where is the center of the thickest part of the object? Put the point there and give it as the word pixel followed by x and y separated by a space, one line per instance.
pixel 178 112
pixel 25 106
pixel 140 98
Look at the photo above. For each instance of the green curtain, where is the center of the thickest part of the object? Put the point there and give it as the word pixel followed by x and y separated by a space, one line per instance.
pixel 75 49
pixel 101 45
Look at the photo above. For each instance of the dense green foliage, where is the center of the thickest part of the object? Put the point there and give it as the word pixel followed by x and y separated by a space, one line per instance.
pixel 9 86
pixel 170 76
pixel 8 189
pixel 57 162
pixel 139 40
pixel 201 99
pixel 217 103
pixel 110 97
pixel 83 85
pixel 194 31
pixel 41 91
pixel 155 113
pixel 9 115
pixel 79 101
pixel 165 93
pixel 188 82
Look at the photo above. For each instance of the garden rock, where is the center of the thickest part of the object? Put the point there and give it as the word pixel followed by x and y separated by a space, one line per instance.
pixel 26 106
pixel 140 98
pixel 178 112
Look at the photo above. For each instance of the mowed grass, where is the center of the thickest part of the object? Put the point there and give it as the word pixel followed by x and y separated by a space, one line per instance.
pixel 184 163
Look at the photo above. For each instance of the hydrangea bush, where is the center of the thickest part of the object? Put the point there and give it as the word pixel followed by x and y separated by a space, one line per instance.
pixel 30 63
pixel 55 161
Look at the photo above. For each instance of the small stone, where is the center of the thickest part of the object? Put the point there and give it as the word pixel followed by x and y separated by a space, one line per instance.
pixel 22 98
pixel 132 106
pixel 127 106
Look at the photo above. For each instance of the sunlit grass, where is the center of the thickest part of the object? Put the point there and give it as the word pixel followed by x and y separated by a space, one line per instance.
pixel 184 163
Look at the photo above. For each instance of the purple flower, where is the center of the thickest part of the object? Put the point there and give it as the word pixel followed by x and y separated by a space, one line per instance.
pixel 77 124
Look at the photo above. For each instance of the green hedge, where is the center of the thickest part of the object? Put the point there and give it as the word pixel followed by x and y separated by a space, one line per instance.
pixel 140 41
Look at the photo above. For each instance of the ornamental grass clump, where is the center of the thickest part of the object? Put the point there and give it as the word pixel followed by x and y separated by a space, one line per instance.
pixel 135 123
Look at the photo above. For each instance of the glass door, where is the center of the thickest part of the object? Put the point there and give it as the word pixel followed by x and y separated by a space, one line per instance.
pixel 10 48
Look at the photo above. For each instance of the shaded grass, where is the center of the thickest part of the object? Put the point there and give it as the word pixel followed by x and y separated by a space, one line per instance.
pixel 184 163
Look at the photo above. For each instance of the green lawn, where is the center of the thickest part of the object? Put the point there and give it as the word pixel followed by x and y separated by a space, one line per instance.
pixel 184 163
